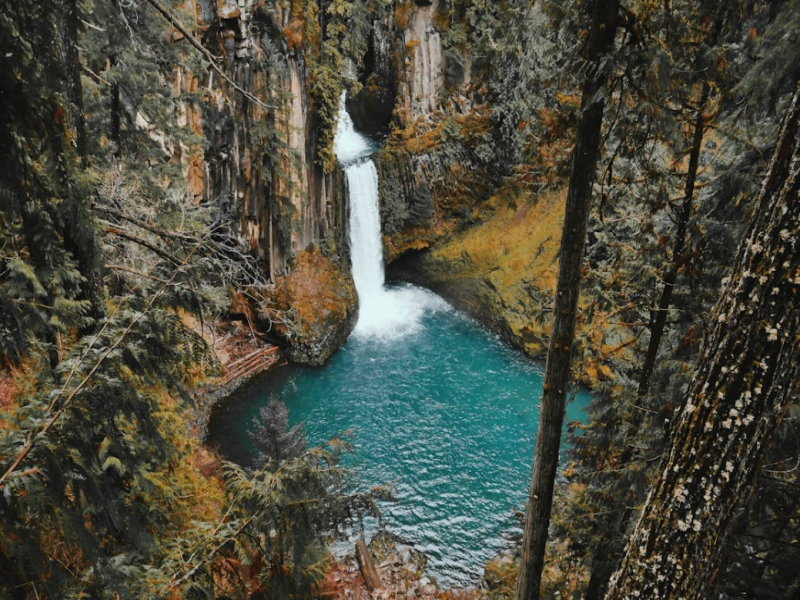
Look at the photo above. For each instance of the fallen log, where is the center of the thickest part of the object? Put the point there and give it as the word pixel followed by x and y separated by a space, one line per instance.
pixel 254 362
pixel 372 578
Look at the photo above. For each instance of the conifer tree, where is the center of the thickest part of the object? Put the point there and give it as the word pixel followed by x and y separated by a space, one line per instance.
pixel 746 375
pixel 275 440
pixel 557 377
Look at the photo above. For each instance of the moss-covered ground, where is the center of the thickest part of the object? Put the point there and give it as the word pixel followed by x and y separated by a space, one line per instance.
pixel 502 270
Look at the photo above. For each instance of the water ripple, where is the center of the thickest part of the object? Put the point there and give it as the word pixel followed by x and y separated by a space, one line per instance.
pixel 448 414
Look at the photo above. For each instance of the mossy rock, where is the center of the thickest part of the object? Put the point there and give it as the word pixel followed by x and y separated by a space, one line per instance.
pixel 502 271
pixel 319 297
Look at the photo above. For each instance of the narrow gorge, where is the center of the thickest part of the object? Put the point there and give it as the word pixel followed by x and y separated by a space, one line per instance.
pixel 438 167
pixel 438 407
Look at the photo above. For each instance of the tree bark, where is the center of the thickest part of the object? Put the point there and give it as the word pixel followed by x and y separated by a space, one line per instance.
pixel 659 318
pixel 559 354
pixel 749 368
pixel 116 119
pixel 73 72
pixel 79 237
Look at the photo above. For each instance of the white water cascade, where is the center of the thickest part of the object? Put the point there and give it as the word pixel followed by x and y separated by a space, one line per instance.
pixel 385 313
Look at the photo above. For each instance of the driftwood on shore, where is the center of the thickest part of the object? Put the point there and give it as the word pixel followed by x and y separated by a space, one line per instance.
pixel 256 361
pixel 369 572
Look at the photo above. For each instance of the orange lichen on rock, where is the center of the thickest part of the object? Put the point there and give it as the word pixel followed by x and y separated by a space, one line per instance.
pixel 402 12
pixel 293 33
pixel 319 298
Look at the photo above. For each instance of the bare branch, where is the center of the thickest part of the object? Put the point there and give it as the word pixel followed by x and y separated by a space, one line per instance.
pixel 138 222
pixel 143 242
pixel 212 60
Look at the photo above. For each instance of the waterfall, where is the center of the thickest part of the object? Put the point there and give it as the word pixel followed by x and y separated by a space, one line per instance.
pixel 385 313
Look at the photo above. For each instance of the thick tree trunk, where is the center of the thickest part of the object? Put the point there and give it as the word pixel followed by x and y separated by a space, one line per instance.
pixel 749 368
pixel 557 371
pixel 659 318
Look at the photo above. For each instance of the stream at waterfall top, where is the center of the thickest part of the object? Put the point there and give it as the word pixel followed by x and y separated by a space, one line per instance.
pixel 440 407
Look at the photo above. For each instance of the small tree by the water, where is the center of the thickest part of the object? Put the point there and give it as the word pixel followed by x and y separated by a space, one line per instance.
pixel 275 441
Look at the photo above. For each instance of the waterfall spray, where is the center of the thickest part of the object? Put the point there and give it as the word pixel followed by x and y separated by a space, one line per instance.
pixel 385 313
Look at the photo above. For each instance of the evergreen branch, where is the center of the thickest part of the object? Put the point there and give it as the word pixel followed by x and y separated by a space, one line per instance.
pixel 317 452
pixel 83 356
pixel 211 554
pixel 212 60
pixel 36 435
pixel 135 272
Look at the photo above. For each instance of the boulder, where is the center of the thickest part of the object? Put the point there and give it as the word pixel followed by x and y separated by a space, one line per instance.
pixel 319 301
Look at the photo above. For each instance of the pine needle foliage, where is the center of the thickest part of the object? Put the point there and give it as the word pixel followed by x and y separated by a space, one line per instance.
pixel 276 521
pixel 274 440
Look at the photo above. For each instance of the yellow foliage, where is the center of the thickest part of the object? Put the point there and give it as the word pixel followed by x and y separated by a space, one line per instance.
pixel 475 126
pixel 518 243
pixel 507 262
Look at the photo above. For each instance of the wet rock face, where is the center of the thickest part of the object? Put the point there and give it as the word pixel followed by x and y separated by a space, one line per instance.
pixel 319 298
pixel 372 107
pixel 426 77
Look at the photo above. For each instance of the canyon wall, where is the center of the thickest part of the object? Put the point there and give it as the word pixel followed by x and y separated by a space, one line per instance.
pixel 430 176
pixel 257 160
pixel 266 130
pixel 260 163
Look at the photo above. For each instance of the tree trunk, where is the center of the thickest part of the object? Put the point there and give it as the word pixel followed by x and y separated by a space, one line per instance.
pixel 116 118
pixel 369 572
pixel 659 319
pixel 79 237
pixel 605 559
pixel 73 72
pixel 557 371
pixel 749 368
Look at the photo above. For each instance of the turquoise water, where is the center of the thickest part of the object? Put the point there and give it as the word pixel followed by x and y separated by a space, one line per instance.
pixel 446 412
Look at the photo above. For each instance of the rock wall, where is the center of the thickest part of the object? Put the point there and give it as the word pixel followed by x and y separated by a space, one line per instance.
pixel 502 271
pixel 423 83
pixel 320 297
pixel 260 162
pixel 429 176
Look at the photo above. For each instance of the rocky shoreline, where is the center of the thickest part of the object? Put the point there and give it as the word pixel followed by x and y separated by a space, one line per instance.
pixel 401 571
